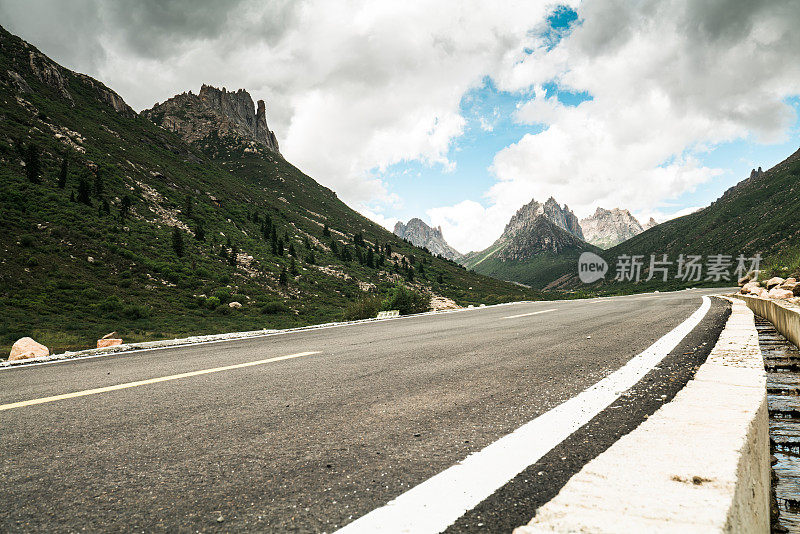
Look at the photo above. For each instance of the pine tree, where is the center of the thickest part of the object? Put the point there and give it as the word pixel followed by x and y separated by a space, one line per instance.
pixel 177 241
pixel 62 175
pixel 125 207
pixel 291 249
pixel 233 259
pixel 326 232
pixel 334 248
pixel 33 167
pixel 280 247
pixel 310 258
pixel 439 279
pixel 200 233
pixel 84 192
pixel 98 184
pixel 283 279
pixel 292 268
pixel 188 205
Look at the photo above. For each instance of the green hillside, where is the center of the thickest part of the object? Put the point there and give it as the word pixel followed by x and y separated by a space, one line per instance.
pixel 534 256
pixel 757 216
pixel 108 222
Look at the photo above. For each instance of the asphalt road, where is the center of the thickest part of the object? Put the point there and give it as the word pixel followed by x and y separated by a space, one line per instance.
pixel 311 443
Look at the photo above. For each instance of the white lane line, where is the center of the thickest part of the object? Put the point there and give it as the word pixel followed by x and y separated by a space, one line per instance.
pixel 439 501
pixel 106 389
pixel 529 314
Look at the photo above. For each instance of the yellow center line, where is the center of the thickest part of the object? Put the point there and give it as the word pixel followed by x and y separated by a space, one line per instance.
pixel 148 381
pixel 528 314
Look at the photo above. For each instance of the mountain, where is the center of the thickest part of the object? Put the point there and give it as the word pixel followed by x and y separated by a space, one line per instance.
pixel 111 222
pixel 649 224
pixel 199 119
pixel 423 236
pixel 756 216
pixel 607 228
pixel 537 239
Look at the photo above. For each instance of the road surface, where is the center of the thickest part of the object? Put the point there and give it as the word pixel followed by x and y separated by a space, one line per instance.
pixel 310 431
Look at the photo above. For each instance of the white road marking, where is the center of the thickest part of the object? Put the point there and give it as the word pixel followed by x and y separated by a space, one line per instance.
pixel 127 385
pixel 529 314
pixel 438 502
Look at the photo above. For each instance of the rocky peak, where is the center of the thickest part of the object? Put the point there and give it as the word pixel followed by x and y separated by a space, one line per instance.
pixel 562 217
pixel 422 235
pixel 30 71
pixel 607 228
pixel 230 115
pixel 649 224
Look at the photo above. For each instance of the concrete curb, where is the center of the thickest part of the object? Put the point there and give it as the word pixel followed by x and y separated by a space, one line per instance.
pixel 699 464
pixel 783 315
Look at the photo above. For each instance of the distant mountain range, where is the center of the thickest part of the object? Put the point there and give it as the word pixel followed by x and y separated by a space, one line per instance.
pixel 423 236
pixel 537 237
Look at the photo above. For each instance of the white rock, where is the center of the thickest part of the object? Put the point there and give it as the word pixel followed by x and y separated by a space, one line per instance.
pixel 26 348
pixel 774 281
pixel 235 304
pixel 778 293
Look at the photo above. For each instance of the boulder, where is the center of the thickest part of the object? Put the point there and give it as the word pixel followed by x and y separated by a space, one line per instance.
pixel 744 280
pixel 235 304
pixel 796 290
pixel 108 342
pixel 759 292
pixel 778 293
pixel 749 287
pixel 26 348
pixel 774 281
pixel 443 303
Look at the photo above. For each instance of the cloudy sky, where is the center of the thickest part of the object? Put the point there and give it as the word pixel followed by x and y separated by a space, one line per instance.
pixel 459 112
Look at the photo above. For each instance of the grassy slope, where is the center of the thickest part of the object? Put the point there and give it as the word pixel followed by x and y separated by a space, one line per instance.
pixel 136 284
pixel 536 271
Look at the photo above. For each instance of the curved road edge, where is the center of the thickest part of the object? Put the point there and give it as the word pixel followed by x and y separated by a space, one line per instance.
pixel 700 463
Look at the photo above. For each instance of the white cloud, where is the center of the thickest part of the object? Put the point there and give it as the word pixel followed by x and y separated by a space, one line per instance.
pixel 668 80
pixel 350 86
pixel 356 86
pixel 469 226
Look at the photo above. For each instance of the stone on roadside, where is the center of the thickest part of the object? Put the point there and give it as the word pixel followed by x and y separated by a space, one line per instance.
pixel 443 303
pixel 789 284
pixel 749 288
pixel 774 281
pixel 235 304
pixel 759 292
pixel 26 348
pixel 108 342
pixel 778 293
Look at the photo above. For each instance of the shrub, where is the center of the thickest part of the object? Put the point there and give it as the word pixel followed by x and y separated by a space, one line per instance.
pixel 135 311
pixel 366 307
pixel 406 300
pixel 26 240
pixel 212 303
pixel 223 295
pixel 271 308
